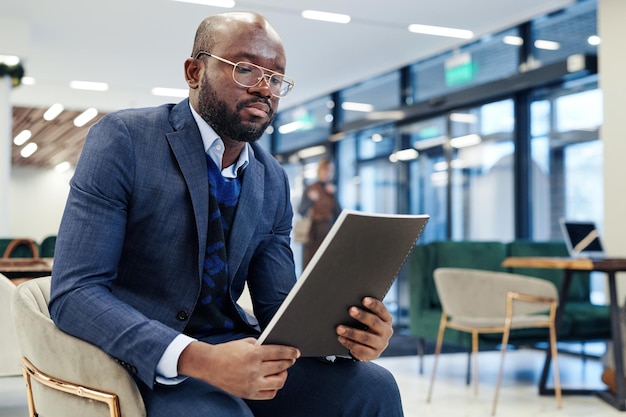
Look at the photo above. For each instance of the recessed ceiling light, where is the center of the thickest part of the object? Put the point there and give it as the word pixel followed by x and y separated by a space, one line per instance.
pixel 325 16
pixel 404 155
pixel 89 85
pixel 290 127
pixel 28 80
pixel 354 106
pixel 464 141
pixel 311 152
pixel 62 167
pixel 594 40
pixel 441 31
pixel 513 40
pixel 170 92
pixel 22 137
pixel 228 4
pixel 10 60
pixel 463 118
pixel 548 45
pixel 53 112
pixel 85 116
pixel 28 150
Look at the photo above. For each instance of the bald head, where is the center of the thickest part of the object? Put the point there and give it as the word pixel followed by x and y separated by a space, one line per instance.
pixel 239 111
pixel 214 29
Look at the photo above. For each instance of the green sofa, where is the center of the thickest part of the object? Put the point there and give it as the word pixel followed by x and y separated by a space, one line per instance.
pixel 581 321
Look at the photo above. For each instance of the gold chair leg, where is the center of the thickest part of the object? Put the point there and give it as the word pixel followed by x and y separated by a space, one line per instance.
pixel 29 393
pixel 555 364
pixel 442 329
pixel 505 341
pixel 475 360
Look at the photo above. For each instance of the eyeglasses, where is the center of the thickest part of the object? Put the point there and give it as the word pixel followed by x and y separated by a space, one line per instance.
pixel 247 74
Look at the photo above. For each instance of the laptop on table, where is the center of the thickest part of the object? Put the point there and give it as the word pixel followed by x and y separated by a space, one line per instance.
pixel 582 239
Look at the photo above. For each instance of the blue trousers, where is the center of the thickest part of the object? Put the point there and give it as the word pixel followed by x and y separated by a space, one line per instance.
pixel 314 388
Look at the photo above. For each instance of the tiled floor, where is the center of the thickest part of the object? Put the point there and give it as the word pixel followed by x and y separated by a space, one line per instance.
pixel 13 397
pixel 451 397
pixel 518 395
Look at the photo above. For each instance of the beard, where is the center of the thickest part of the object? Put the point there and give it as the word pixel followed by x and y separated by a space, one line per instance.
pixel 227 123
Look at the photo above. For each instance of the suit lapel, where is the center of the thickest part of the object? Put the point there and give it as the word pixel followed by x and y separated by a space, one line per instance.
pixel 188 150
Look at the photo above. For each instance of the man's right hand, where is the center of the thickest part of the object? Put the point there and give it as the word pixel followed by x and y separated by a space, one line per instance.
pixel 240 367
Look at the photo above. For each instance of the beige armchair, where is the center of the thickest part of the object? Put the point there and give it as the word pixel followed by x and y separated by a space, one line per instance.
pixel 9 348
pixel 66 376
pixel 478 301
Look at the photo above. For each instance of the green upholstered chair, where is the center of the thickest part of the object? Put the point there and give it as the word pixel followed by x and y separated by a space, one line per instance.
pixel 47 247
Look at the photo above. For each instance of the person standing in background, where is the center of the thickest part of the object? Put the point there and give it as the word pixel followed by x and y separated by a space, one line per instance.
pixel 320 203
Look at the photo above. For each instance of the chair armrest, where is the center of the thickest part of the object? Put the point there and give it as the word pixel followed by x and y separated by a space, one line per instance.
pixel 70 359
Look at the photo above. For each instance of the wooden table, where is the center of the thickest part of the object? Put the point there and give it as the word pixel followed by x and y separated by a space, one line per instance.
pixel 18 268
pixel 610 266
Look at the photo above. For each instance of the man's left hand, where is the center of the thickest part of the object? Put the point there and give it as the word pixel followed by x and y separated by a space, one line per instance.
pixel 366 345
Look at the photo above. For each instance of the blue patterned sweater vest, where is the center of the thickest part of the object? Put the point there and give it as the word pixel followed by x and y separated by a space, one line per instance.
pixel 215 313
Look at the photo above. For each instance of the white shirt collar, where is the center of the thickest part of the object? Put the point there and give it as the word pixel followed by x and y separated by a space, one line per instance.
pixel 214 147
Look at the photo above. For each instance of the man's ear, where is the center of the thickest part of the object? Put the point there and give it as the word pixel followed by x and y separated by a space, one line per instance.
pixel 193 68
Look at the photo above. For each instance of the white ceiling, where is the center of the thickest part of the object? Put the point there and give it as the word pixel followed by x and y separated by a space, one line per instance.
pixel 135 45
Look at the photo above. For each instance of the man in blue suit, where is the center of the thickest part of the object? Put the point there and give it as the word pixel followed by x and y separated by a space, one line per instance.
pixel 171 210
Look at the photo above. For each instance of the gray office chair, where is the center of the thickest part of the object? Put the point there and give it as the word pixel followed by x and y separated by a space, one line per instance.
pixel 477 301
pixel 66 376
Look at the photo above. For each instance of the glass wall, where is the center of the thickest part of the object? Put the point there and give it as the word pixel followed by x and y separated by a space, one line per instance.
pixel 367 98
pixel 463 175
pixel 478 166
pixel 566 154
pixel 482 172
pixel 428 175
pixel 303 126
pixel 346 173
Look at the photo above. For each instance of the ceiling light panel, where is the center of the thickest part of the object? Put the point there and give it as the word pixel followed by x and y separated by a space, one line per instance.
pixel 227 4
pixel 10 60
pixel 84 117
pixel 170 92
pixel 62 167
pixel 354 106
pixel 465 141
pixel 441 31
pixel 53 112
pixel 89 85
pixel 547 45
pixel 28 150
pixel 22 137
pixel 513 40
pixel 325 16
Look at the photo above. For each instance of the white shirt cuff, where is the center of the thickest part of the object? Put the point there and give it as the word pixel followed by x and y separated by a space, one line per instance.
pixel 167 368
